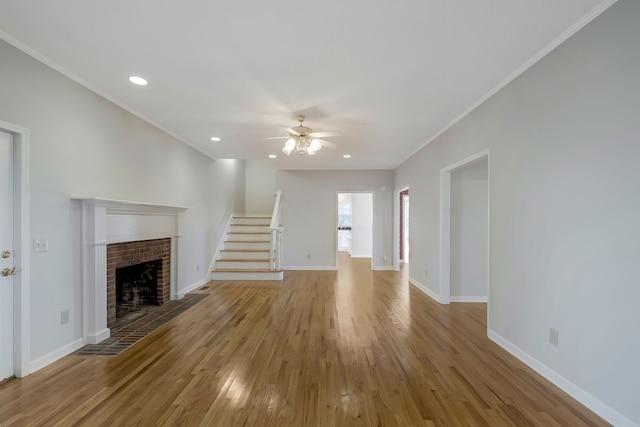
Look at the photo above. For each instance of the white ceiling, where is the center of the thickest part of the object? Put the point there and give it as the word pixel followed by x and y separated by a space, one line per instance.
pixel 389 75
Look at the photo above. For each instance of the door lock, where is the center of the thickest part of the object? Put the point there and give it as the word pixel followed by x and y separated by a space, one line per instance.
pixel 8 272
pixel 6 254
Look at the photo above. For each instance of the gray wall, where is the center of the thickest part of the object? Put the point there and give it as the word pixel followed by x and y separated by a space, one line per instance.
pixel 469 228
pixel 564 185
pixel 309 214
pixel 260 187
pixel 83 145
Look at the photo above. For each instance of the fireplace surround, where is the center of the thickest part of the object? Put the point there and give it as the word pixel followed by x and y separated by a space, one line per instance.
pixel 109 223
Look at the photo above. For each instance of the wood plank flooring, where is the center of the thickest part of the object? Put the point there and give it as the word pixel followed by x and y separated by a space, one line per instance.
pixel 347 348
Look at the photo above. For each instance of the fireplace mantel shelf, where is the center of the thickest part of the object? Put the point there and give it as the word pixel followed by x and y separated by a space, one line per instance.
pixel 114 206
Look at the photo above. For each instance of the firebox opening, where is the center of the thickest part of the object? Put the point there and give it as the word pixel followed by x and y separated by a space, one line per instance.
pixel 137 286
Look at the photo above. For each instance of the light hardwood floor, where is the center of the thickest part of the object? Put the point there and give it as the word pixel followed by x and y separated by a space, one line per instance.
pixel 347 348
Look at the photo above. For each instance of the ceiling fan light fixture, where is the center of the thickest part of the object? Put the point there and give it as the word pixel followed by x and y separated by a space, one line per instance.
pixel 289 146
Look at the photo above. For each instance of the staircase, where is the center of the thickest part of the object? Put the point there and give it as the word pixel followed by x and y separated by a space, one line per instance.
pixel 246 254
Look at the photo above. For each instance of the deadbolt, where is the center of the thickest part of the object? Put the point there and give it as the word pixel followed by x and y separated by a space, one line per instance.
pixel 6 254
pixel 8 272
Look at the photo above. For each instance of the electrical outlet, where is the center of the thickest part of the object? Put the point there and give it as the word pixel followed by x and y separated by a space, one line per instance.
pixel 384 258
pixel 64 317
pixel 308 256
pixel 198 267
pixel 426 273
pixel 553 336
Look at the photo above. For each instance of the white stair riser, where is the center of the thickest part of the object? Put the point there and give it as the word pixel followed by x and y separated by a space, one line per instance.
pixel 243 265
pixel 249 237
pixel 247 245
pixel 249 228
pixel 243 255
pixel 250 220
pixel 267 275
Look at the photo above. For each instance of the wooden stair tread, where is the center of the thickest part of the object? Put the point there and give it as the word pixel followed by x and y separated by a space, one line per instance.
pixel 244 250
pixel 244 260
pixel 248 232
pixel 247 241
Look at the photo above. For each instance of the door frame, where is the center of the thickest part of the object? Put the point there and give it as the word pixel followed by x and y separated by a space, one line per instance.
pixel 396 227
pixel 445 224
pixel 373 225
pixel 22 280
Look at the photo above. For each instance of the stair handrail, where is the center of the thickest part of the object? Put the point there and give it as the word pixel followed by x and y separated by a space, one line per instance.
pixel 275 258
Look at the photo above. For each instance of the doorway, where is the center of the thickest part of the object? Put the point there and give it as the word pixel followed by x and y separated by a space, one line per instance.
pixel 446 223
pixel 403 227
pixel 14 250
pixel 355 225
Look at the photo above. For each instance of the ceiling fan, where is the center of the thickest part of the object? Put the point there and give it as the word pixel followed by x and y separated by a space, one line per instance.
pixel 303 140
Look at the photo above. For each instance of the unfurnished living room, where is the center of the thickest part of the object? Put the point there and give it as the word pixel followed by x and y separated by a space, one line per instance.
pixel 319 214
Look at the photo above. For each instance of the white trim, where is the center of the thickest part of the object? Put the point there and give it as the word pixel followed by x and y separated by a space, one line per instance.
pixel 311 268
pixel 52 64
pixel 469 299
pixel 126 207
pixel 219 246
pixel 588 400
pixel 445 221
pixel 189 288
pixel 383 268
pixel 424 289
pixel 360 255
pixel 22 218
pixel 594 13
pixel 55 355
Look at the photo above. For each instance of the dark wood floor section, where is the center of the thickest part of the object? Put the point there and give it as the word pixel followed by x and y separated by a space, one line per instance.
pixel 348 348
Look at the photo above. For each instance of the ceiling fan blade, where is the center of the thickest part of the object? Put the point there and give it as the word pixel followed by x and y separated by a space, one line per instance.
pixel 290 130
pixel 327 144
pixel 279 137
pixel 325 133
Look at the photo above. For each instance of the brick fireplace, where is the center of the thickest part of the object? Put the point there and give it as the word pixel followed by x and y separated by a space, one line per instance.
pixel 127 254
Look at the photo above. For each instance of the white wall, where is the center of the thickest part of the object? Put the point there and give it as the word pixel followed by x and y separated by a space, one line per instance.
pixel 261 187
pixel 309 214
pixel 361 225
pixel 469 227
pixel 565 240
pixel 83 145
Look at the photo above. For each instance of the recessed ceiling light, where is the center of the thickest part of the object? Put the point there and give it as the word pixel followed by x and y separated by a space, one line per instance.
pixel 272 156
pixel 215 138
pixel 138 81
pixel 347 156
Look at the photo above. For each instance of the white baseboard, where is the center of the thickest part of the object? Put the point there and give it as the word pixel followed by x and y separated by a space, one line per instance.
pixel 469 299
pixel 48 359
pixel 98 337
pixel 307 267
pixel 591 402
pixel 383 268
pixel 188 289
pixel 424 289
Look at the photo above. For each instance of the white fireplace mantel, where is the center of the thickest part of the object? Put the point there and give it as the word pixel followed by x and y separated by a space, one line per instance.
pixel 106 221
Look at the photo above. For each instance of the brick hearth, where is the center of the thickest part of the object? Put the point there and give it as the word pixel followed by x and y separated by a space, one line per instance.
pixel 131 253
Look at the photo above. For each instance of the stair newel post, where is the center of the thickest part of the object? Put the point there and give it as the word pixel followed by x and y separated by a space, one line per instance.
pixel 279 249
pixel 272 252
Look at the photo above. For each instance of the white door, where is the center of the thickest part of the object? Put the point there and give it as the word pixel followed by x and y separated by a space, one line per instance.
pixel 6 255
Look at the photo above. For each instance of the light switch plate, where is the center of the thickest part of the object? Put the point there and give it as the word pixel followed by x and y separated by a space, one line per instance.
pixel 40 244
